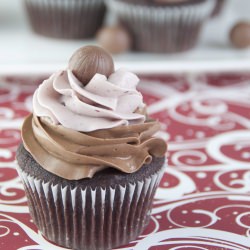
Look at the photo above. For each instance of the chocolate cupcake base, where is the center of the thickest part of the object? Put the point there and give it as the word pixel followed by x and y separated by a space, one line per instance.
pixel 169 28
pixel 72 19
pixel 106 211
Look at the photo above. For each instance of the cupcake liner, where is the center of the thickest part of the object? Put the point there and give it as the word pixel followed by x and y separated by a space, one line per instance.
pixel 100 218
pixel 65 18
pixel 163 29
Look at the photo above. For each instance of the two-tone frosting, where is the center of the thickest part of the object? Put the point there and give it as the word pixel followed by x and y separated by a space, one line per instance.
pixel 78 129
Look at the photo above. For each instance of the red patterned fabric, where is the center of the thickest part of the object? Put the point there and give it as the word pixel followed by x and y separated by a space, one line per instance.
pixel 203 201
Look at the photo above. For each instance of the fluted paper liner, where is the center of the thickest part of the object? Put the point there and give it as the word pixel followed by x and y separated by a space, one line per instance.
pixel 65 18
pixel 162 29
pixel 101 218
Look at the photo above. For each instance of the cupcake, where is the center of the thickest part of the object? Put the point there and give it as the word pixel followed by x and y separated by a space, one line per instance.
pixel 72 19
pixel 162 25
pixel 89 158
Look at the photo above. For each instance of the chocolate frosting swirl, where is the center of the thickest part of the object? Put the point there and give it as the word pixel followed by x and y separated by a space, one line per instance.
pixel 75 155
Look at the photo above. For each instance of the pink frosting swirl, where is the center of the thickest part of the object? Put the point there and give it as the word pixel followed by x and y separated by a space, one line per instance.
pixel 101 104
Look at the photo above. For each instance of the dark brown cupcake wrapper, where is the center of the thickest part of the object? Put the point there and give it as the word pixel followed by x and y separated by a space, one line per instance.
pixel 101 218
pixel 65 18
pixel 163 29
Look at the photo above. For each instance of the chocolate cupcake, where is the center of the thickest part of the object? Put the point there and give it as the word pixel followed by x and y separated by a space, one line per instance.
pixel 71 19
pixel 162 25
pixel 89 159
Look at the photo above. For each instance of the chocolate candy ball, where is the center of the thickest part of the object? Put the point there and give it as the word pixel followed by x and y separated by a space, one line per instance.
pixel 240 35
pixel 114 39
pixel 89 60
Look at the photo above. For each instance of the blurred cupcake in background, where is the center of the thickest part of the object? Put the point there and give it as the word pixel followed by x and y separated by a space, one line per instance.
pixel 72 19
pixel 162 25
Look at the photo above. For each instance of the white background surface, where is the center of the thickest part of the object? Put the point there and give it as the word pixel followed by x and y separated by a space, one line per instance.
pixel 21 51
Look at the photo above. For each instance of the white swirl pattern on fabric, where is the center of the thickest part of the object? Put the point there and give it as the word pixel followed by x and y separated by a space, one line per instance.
pixel 215 214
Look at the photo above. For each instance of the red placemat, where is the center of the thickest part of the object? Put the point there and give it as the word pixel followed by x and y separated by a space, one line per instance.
pixel 203 201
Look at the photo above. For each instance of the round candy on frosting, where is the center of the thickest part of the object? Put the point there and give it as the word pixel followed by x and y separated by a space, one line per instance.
pixel 114 39
pixel 89 60
pixel 240 34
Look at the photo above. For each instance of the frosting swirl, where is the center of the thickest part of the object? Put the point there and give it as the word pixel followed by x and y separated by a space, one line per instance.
pixel 76 155
pixel 77 130
pixel 102 104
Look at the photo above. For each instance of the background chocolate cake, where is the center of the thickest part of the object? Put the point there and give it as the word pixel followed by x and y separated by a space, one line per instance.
pixel 72 19
pixel 162 26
